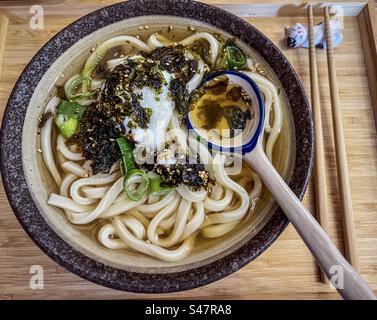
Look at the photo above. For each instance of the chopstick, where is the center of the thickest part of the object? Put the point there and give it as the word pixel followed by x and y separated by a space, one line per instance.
pixel 319 164
pixel 340 148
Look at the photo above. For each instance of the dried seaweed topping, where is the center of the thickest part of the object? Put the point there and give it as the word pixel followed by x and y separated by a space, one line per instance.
pixel 179 94
pixel 119 99
pixel 217 85
pixel 96 135
pixel 202 48
pixel 173 60
pixel 184 169
pixel 43 119
pixel 236 118
pixel 234 93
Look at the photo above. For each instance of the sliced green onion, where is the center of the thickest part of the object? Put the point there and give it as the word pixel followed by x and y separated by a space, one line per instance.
pixel 68 116
pixel 235 57
pixel 155 185
pixel 77 84
pixel 138 193
pixel 69 128
pixel 126 150
pixel 129 171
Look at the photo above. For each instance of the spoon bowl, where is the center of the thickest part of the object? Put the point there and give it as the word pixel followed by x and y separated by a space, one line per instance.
pixel 244 141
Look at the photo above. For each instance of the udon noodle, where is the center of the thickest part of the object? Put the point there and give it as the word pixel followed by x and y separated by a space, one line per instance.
pixel 162 226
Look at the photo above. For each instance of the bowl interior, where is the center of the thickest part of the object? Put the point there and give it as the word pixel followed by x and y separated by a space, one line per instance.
pixel 81 239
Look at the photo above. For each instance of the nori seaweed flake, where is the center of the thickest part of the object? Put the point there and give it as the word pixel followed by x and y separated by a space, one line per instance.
pixel 96 135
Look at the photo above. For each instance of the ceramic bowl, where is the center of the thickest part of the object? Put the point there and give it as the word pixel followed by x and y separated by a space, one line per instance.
pixel 28 185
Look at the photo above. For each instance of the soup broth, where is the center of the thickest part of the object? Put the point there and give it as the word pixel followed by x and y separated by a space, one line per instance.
pixel 260 207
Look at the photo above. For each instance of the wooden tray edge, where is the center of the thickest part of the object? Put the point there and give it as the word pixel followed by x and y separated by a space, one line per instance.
pixel 4 22
pixel 367 24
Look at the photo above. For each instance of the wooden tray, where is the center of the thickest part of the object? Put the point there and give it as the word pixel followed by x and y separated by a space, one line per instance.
pixel 286 269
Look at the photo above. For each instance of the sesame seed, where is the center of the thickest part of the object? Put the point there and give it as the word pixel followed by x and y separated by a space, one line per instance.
pixel 140 28
pixel 39 150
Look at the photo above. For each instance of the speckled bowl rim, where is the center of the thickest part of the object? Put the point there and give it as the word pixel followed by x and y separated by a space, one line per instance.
pixel 34 224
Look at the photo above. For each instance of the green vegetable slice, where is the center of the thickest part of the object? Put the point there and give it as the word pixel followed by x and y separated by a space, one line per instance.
pixel 68 116
pixel 74 87
pixel 155 185
pixel 235 57
pixel 128 161
pixel 128 169
pixel 138 193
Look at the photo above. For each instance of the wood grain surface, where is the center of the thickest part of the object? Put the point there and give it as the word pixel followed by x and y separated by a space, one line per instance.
pixel 286 270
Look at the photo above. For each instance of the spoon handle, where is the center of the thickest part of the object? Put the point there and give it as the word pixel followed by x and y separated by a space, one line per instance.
pixel 347 281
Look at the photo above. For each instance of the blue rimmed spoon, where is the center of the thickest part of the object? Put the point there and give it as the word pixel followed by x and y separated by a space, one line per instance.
pixel 248 144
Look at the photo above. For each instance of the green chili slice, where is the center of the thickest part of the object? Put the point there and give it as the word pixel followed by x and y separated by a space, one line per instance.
pixel 235 57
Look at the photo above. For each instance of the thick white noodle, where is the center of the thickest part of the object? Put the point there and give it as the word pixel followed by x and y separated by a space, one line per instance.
pixel 180 221
pixel 111 64
pixel 94 192
pixel 143 220
pixel 122 207
pixel 103 205
pixel 46 141
pixel 195 222
pixel 66 203
pixel 218 230
pixel 196 78
pixel 97 180
pixel 101 50
pixel 105 237
pixel 278 116
pixel 157 40
pixel 66 183
pixel 189 195
pixel 256 192
pixel 86 102
pixel 168 223
pixel 214 44
pixel 151 249
pixel 66 152
pixel 75 168
pixel 233 214
pixel 157 206
pixel 268 106
pixel 217 205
